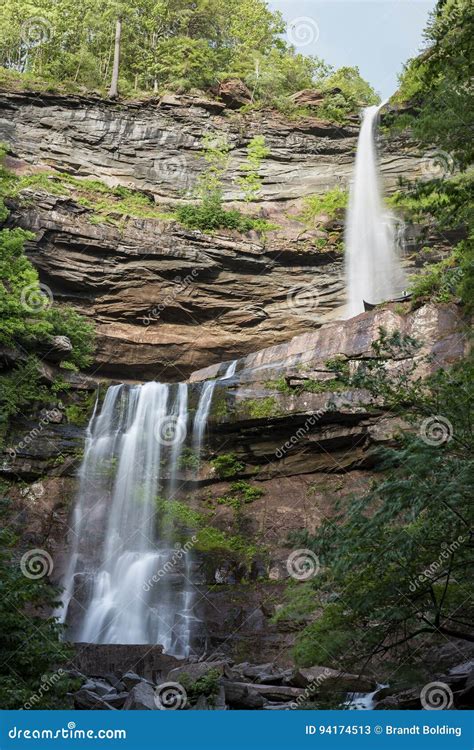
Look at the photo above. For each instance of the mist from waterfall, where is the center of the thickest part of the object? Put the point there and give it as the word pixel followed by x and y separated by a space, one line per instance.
pixel 126 582
pixel 372 241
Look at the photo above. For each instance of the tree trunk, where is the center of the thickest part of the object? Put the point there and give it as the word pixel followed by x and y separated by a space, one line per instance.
pixel 113 91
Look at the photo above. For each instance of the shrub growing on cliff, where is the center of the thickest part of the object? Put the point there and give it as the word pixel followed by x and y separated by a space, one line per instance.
pixel 209 214
pixel 332 203
pixel 251 182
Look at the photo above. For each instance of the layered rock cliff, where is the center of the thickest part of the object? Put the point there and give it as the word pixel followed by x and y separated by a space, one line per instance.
pixel 167 300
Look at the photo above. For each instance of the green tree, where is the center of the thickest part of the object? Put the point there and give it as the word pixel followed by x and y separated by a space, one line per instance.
pixel 30 644
pixel 438 83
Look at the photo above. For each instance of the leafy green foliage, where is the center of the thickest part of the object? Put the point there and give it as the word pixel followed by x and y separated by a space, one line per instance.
pixel 448 201
pixel 261 408
pixel 209 214
pixel 27 318
pixel 227 465
pixel 345 93
pixel 30 321
pixel 110 205
pixel 189 459
pixel 443 205
pixel 333 204
pixel 241 493
pixel 438 83
pixel 251 182
pixel 441 281
pixel 21 389
pixel 206 685
pixel 29 641
pixel 166 45
pixel 396 562
pixel 178 517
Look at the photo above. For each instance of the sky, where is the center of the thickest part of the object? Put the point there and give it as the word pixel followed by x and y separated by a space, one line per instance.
pixel 378 36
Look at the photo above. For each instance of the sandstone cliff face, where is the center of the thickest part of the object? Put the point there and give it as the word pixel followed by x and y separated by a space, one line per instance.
pixel 155 145
pixel 166 300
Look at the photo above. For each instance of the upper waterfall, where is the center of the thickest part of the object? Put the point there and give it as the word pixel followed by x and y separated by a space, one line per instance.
pixel 373 270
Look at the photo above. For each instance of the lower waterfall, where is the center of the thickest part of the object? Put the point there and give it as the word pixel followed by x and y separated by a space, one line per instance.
pixel 373 270
pixel 126 581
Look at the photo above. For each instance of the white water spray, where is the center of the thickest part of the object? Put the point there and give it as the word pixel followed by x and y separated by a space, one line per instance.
pixel 373 270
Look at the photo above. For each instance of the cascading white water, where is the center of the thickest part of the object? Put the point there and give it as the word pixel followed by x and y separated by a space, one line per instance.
pixel 204 406
pixel 125 582
pixel 114 585
pixel 373 269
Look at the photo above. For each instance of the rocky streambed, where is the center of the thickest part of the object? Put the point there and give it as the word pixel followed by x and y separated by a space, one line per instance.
pixel 143 678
